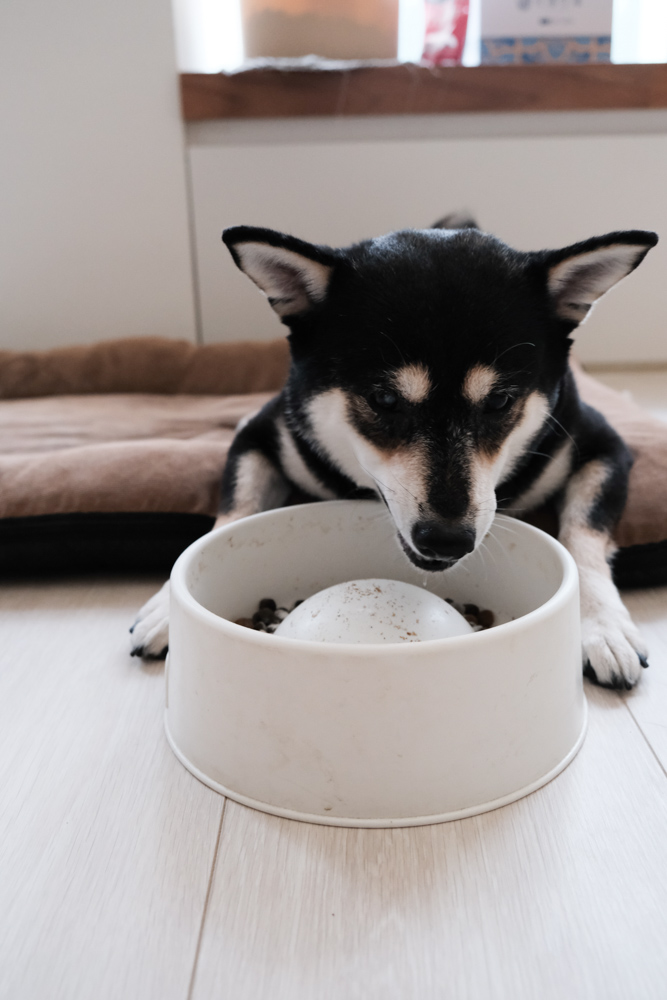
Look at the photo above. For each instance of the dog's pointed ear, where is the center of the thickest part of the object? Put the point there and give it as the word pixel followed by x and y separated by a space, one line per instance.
pixel 578 275
pixel 294 275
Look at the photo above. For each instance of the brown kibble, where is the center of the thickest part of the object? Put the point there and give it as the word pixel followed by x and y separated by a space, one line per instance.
pixel 246 622
pixel 268 616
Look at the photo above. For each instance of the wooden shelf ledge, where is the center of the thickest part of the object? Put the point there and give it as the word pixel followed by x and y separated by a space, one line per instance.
pixel 416 90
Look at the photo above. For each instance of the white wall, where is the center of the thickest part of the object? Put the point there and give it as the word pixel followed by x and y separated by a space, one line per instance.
pixel 336 182
pixel 93 206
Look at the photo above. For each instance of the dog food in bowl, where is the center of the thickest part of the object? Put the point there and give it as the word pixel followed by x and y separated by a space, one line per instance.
pixel 269 617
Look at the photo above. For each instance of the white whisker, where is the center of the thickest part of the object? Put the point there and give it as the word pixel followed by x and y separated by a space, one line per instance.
pixel 485 548
pixel 551 417
pixel 525 343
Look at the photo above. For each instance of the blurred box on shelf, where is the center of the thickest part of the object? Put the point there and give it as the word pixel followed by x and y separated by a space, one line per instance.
pixel 545 31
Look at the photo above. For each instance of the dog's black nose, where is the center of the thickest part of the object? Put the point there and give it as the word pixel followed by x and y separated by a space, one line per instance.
pixel 436 540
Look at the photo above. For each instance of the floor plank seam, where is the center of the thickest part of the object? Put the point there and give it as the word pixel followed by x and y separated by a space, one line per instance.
pixel 646 739
pixel 209 887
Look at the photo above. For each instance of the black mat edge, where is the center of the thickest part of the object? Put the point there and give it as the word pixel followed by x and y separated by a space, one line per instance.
pixel 145 542
pixel 61 544
pixel 639 566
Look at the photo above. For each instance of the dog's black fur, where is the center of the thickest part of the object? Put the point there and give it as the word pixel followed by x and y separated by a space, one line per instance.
pixel 430 369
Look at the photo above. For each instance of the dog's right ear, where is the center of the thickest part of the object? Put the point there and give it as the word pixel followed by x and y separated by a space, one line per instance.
pixel 294 275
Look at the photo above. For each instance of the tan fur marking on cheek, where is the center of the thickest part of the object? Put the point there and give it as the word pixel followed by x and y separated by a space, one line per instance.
pixel 478 383
pixel 488 450
pixel 401 474
pixel 357 406
pixel 412 457
pixel 528 415
pixel 412 460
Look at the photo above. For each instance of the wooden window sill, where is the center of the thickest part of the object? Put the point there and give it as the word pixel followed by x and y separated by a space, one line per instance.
pixel 408 89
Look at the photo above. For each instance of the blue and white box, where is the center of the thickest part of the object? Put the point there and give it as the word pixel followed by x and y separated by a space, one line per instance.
pixel 545 31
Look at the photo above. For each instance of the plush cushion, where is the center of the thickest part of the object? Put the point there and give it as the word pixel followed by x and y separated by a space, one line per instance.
pixel 146 365
pixel 111 455
pixel 645 518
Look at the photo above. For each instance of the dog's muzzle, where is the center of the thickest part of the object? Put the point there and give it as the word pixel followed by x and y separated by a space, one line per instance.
pixel 439 542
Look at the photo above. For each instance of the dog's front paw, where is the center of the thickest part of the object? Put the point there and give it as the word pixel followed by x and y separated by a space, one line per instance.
pixel 150 632
pixel 614 652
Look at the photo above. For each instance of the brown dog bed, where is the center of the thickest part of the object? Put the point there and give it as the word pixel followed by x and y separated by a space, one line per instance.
pixel 111 455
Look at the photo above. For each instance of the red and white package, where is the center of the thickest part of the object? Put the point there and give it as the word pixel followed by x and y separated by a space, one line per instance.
pixel 446 23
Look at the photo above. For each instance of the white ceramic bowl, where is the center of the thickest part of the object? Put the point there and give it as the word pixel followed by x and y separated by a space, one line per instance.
pixel 372 735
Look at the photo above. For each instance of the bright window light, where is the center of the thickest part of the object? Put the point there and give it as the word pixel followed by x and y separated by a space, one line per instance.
pixel 639 31
pixel 208 35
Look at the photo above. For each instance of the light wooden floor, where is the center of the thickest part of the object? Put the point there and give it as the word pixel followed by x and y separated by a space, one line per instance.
pixel 122 877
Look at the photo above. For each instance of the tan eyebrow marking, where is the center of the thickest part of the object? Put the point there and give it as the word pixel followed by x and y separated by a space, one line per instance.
pixel 478 383
pixel 413 382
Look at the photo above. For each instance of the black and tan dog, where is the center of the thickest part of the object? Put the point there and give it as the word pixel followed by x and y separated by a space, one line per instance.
pixel 430 370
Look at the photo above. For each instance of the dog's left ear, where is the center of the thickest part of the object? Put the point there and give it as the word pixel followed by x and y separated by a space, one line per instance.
pixel 294 275
pixel 578 275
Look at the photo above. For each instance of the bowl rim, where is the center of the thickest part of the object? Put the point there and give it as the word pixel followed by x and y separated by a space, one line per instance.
pixel 560 597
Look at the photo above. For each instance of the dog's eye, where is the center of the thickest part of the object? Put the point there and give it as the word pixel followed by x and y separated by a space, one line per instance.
pixel 496 401
pixel 384 399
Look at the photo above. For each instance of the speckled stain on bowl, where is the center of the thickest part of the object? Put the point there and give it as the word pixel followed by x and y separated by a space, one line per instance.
pixel 367 735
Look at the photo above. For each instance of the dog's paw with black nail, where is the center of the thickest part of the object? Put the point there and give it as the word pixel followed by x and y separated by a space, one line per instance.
pixel 613 651
pixel 150 632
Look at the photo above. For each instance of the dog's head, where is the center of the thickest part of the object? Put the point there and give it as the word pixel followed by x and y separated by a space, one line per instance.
pixel 428 361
